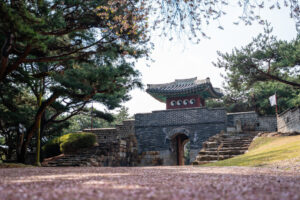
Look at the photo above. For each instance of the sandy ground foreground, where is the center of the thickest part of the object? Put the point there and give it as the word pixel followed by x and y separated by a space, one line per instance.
pixel 149 183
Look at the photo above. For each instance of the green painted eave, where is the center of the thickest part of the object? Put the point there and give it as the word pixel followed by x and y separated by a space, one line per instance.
pixel 163 98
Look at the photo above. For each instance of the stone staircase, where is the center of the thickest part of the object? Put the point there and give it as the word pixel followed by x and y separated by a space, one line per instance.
pixel 94 156
pixel 68 161
pixel 223 146
pixel 116 147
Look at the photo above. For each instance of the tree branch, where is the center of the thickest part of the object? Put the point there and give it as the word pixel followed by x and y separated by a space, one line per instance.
pixel 17 63
pixel 270 76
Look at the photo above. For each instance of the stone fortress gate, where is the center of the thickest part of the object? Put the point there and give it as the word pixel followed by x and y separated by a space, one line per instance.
pixel 186 119
pixel 165 137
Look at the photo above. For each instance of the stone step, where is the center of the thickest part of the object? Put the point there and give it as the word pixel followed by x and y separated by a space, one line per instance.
pixel 214 157
pixel 66 164
pixel 230 145
pixel 232 152
pixel 71 160
pixel 75 158
pixel 235 136
pixel 223 150
pixel 236 140
pixel 227 141
pixel 226 149
pixel 236 145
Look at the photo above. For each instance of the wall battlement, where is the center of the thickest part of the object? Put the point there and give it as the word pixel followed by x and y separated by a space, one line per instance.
pixel 181 116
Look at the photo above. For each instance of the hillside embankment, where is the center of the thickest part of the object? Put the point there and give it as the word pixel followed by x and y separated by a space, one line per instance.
pixel 269 150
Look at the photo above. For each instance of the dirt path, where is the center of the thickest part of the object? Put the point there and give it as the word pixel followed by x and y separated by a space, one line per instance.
pixel 149 183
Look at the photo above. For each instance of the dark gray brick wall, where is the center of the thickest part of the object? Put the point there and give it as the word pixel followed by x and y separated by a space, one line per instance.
pixel 154 131
pixel 289 121
pixel 156 138
pixel 104 135
pixel 181 116
pixel 246 118
pixel 267 123
pixel 252 121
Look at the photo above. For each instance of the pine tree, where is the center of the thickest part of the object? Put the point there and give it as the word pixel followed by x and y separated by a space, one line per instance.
pixel 56 31
pixel 69 53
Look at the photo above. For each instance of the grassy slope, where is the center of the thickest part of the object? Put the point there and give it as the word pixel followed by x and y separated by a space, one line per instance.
pixel 264 151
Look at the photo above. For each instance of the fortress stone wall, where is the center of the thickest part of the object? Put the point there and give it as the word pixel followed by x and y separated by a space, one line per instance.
pixel 289 121
pixel 251 121
pixel 155 131
pixel 118 145
pixel 152 138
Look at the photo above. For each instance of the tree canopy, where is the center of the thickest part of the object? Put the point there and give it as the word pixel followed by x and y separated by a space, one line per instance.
pixel 58 56
pixel 265 58
pixel 259 70
pixel 55 31
pixel 90 119
pixel 191 17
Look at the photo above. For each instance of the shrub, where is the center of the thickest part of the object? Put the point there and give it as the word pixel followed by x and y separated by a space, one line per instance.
pixel 74 141
pixel 68 143
pixel 51 148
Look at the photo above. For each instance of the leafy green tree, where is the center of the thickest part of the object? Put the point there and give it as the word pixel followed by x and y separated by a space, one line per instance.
pixel 68 53
pixel 2 140
pixel 56 31
pixel 83 120
pixel 123 114
pixel 2 149
pixel 265 58
pixel 192 17
pixel 16 102
pixel 257 98
pixel 68 93
pixel 287 97
pixel 258 70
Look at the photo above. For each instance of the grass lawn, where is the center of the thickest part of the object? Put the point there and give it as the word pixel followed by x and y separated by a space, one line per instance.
pixel 266 150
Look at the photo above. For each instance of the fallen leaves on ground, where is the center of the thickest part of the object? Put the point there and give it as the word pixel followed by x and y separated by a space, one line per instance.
pixel 131 183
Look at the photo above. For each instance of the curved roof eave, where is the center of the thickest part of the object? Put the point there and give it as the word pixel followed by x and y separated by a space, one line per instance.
pixel 182 87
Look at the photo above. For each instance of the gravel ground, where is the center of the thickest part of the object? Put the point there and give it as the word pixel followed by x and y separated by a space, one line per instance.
pixel 287 165
pixel 185 182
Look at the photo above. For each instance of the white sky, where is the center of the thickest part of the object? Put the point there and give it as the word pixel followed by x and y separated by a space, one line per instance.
pixel 182 59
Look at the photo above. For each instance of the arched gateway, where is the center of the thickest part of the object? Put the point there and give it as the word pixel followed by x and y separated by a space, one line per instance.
pixel 179 142
pixel 178 137
pixel 163 134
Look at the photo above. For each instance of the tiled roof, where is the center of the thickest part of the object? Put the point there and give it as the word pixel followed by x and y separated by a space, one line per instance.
pixel 183 87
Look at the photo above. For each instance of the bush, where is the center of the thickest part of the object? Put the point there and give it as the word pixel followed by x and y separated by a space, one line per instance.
pixel 51 148
pixel 74 141
pixel 68 143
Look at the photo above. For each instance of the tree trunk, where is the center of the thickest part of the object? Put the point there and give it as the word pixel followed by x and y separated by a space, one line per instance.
pixel 29 133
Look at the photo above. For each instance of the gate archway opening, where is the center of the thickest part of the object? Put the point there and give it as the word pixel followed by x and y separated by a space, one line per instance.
pixel 180 141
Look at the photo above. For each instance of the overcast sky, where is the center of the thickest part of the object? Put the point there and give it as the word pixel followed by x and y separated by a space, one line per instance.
pixel 180 59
